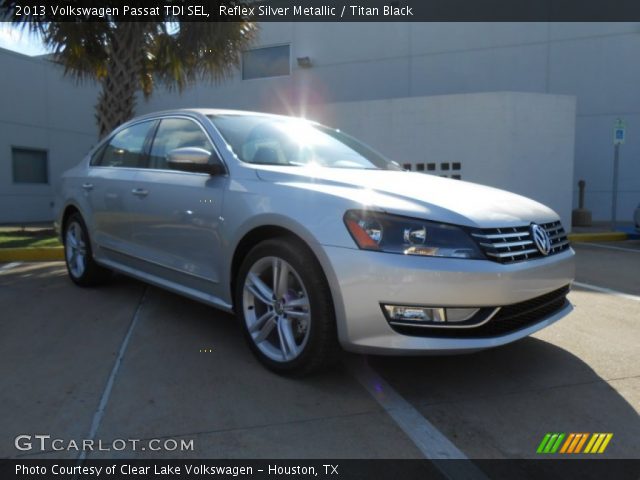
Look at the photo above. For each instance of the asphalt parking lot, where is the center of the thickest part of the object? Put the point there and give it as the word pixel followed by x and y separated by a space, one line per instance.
pixel 127 361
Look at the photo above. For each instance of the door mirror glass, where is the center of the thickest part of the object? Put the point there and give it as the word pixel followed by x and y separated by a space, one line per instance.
pixel 194 159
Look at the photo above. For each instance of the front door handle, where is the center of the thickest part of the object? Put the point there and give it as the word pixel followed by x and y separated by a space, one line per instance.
pixel 140 192
pixel 87 186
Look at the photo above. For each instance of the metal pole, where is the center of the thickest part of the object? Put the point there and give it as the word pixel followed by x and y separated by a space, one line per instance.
pixel 614 195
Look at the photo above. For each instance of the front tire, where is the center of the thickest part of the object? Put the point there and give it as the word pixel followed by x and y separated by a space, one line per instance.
pixel 82 268
pixel 284 302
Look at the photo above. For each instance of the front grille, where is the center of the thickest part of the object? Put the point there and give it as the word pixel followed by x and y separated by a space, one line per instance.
pixel 509 319
pixel 515 244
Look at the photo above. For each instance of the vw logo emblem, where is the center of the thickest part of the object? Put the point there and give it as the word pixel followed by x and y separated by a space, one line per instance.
pixel 541 239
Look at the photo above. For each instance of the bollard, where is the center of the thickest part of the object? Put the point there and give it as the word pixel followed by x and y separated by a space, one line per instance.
pixel 581 217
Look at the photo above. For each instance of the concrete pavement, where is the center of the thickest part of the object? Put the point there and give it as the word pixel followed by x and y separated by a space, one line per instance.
pixel 58 344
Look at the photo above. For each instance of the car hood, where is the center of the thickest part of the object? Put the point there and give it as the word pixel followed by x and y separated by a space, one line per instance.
pixel 415 194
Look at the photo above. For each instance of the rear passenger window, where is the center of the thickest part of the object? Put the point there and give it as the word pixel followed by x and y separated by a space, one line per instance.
pixel 176 133
pixel 126 148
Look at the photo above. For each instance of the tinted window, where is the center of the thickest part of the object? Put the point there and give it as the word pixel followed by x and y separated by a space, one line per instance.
pixel 126 148
pixel 265 62
pixel 289 141
pixel 176 133
pixel 29 165
pixel 97 155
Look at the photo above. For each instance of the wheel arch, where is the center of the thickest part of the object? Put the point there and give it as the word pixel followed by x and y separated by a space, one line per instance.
pixel 68 210
pixel 252 238
pixel 271 230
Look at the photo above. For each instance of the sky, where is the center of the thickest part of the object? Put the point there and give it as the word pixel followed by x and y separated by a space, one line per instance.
pixel 18 40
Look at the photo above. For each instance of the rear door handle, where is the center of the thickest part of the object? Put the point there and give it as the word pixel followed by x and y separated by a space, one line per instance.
pixel 140 192
pixel 87 186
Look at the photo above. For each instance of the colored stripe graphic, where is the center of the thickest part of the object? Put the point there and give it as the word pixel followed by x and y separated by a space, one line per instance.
pixel 598 443
pixel 582 441
pixel 550 443
pixel 556 445
pixel 572 443
pixel 543 443
pixel 567 443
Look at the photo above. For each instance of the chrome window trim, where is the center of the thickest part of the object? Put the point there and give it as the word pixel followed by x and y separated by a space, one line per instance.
pixel 159 118
pixel 109 137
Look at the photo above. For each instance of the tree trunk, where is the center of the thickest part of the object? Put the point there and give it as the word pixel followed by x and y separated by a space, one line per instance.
pixel 117 99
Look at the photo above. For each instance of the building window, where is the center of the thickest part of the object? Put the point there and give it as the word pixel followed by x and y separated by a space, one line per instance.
pixel 406 166
pixel 29 165
pixel 266 62
pixel 431 166
pixel 420 167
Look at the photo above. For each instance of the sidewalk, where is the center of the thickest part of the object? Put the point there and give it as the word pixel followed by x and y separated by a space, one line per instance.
pixel 602 232
pixel 26 227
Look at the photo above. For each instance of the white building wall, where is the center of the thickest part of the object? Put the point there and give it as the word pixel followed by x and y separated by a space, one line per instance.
pixel 521 142
pixel 40 110
pixel 595 62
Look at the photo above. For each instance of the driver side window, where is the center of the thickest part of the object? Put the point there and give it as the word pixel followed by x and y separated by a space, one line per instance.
pixel 176 133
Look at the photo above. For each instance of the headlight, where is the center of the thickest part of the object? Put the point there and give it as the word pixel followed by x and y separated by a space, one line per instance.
pixel 409 236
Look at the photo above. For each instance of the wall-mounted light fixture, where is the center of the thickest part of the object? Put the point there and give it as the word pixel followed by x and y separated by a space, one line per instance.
pixel 304 62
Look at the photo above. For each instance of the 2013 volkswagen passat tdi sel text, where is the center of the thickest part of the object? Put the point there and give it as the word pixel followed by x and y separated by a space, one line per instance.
pixel 313 239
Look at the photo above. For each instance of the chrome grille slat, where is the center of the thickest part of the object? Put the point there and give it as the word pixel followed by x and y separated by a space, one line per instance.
pixel 500 235
pixel 507 244
pixel 515 244
pixel 511 254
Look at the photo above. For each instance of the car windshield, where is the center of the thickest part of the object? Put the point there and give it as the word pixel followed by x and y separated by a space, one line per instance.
pixel 264 140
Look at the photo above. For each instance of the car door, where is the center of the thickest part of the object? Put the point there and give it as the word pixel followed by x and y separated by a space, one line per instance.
pixel 109 186
pixel 177 214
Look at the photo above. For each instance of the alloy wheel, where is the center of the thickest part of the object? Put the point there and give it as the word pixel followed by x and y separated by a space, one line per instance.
pixel 75 249
pixel 276 309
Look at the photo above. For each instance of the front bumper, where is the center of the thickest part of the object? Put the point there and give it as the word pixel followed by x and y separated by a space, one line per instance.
pixel 362 280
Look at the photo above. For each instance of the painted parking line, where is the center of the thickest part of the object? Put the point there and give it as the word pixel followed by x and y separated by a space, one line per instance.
pixel 9 266
pixel 433 444
pixel 609 291
pixel 104 399
pixel 610 247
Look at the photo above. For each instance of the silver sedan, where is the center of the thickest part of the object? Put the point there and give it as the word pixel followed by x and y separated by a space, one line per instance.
pixel 313 239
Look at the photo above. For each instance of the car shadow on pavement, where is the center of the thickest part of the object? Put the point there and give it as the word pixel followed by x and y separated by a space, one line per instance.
pixel 500 403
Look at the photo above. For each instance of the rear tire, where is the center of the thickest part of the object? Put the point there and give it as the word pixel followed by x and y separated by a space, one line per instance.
pixel 283 300
pixel 82 268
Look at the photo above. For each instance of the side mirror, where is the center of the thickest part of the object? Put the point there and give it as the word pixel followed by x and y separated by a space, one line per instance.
pixel 194 159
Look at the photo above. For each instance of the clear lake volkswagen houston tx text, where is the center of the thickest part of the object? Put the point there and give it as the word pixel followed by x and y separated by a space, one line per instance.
pixel 313 239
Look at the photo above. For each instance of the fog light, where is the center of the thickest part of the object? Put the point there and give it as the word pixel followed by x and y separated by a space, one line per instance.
pixel 417 314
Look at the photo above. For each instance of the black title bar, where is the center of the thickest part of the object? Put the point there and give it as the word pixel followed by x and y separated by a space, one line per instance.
pixel 324 10
pixel 330 469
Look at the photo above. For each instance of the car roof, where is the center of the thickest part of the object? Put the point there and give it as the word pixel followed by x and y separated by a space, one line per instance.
pixel 207 111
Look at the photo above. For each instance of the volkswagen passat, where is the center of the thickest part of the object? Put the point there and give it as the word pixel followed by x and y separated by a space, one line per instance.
pixel 313 239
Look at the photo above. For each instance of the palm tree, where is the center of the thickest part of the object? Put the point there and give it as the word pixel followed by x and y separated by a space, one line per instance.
pixel 126 57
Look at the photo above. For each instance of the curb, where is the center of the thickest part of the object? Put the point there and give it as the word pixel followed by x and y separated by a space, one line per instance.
pixel 42 254
pixel 597 237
